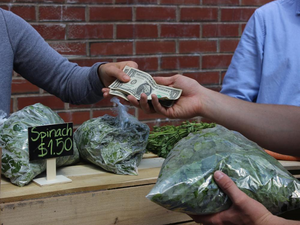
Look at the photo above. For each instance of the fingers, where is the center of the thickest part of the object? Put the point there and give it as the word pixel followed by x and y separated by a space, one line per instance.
pixel 228 186
pixel 157 106
pixel 131 64
pixel 164 80
pixel 133 101
pixel 118 73
pixel 105 92
pixel 145 105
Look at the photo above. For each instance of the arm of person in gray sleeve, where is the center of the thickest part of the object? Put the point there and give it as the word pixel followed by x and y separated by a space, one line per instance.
pixel 40 64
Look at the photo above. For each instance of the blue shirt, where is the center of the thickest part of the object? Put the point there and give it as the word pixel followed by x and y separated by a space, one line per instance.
pixel 265 67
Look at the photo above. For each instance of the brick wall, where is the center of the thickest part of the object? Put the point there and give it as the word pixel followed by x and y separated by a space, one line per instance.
pixel 196 38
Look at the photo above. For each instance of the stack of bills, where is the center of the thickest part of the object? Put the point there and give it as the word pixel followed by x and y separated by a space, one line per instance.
pixel 142 82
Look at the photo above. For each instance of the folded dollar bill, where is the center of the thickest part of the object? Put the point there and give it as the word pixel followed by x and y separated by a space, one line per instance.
pixel 142 82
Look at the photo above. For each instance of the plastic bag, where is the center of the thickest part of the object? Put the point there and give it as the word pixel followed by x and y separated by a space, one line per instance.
pixel 185 183
pixel 14 138
pixel 116 144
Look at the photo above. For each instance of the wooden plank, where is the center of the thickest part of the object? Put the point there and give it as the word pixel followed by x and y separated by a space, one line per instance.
pixel 120 206
pixel 290 165
pixel 84 178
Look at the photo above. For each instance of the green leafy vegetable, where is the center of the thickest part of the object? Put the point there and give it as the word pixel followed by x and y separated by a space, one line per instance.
pixel 14 138
pixel 186 183
pixel 162 139
pixel 116 144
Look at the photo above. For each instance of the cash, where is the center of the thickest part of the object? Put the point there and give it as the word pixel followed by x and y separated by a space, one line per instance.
pixel 142 82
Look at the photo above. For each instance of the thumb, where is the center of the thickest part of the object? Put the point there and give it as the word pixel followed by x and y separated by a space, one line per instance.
pixel 228 186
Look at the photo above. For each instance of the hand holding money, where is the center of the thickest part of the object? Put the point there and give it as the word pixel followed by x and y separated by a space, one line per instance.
pixel 142 82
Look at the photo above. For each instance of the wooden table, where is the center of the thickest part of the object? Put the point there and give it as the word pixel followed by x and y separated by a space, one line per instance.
pixel 93 197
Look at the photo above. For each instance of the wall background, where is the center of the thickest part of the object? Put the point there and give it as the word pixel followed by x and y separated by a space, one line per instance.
pixel 196 38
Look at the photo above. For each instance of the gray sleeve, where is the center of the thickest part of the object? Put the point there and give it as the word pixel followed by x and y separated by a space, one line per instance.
pixel 40 64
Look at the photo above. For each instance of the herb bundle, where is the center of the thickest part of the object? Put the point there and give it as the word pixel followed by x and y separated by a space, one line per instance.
pixel 162 139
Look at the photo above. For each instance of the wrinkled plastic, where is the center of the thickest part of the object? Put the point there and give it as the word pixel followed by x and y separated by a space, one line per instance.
pixel 2 117
pixel 116 144
pixel 185 183
pixel 14 138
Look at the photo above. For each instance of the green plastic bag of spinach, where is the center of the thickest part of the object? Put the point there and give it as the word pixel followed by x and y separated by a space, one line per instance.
pixel 14 138
pixel 185 183
pixel 116 144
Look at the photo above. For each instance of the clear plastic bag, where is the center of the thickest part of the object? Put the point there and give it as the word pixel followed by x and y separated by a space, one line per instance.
pixel 185 183
pixel 14 138
pixel 116 144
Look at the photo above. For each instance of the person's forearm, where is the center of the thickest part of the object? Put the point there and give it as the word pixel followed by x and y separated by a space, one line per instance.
pixel 275 127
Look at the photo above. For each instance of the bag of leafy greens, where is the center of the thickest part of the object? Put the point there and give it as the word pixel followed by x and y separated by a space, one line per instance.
pixel 14 138
pixel 185 183
pixel 116 144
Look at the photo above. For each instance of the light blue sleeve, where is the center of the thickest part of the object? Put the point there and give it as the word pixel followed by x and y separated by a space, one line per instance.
pixel 40 64
pixel 242 79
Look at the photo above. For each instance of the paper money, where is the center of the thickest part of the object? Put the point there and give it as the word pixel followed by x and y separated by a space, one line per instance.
pixel 166 103
pixel 142 82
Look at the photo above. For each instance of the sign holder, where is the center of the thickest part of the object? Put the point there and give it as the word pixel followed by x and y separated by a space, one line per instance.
pixel 49 142
pixel 51 177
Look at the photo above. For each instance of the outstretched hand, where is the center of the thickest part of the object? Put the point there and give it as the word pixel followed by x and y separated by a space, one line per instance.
pixel 109 72
pixel 187 106
pixel 243 211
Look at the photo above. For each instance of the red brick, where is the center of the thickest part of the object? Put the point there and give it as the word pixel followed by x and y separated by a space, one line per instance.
pixel 145 116
pixel 220 2
pixel 50 101
pixel 155 47
pixel 112 48
pixel 5 7
pixel 243 27
pixel 228 45
pixel 90 31
pixel 62 13
pixel 11 105
pixel 40 1
pixel 205 78
pixel 223 73
pixel 144 63
pixel 197 46
pixel 147 63
pixel 72 48
pixel 102 112
pixel 77 118
pixel 99 2
pixel 163 74
pixel 220 30
pixel 180 2
pixel 26 12
pixel 110 13
pixel 137 31
pixel 198 14
pixel 255 2
pixel 88 61
pixel 136 1
pixel 155 13
pixel 236 14
pixel 51 31
pixel 216 61
pixel 180 62
pixel 23 86
pixel 180 30
pixel 105 102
